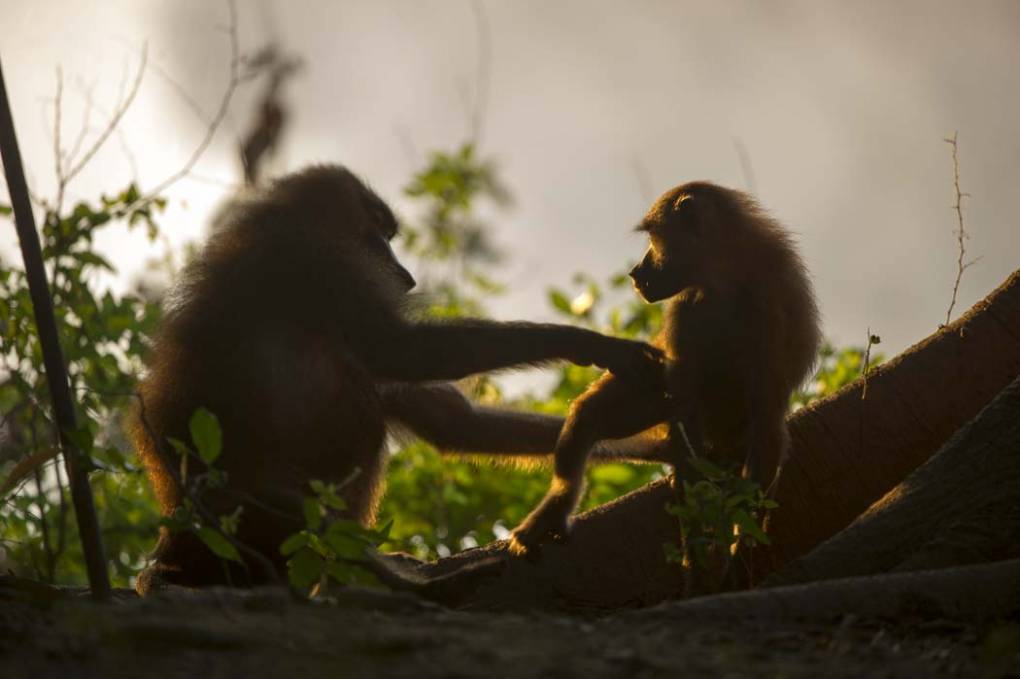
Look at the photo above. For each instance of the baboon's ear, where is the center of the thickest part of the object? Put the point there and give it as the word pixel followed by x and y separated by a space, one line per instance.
pixel 686 210
pixel 684 200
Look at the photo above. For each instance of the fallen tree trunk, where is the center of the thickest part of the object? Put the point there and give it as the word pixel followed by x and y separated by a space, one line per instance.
pixel 847 452
pixel 983 591
pixel 961 506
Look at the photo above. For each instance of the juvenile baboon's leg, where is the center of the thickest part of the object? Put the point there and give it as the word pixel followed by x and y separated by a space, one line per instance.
pixel 611 408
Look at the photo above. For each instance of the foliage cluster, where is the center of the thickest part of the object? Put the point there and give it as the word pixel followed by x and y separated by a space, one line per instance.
pixel 103 335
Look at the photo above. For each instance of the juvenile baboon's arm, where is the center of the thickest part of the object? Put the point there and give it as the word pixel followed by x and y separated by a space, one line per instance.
pixel 440 414
pixel 451 350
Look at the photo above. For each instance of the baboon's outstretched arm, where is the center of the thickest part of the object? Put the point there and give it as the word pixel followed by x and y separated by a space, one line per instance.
pixel 440 414
pixel 452 350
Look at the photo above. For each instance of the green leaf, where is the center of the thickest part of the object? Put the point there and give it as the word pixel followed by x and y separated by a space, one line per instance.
pixel 673 553
pixel 313 513
pixel 206 435
pixel 560 302
pixel 383 534
pixel 304 568
pixel 92 259
pixel 334 501
pixel 341 571
pixel 218 544
pixel 353 529
pixel 749 526
pixel 178 445
pixel 294 543
pixel 5 210
pixel 346 546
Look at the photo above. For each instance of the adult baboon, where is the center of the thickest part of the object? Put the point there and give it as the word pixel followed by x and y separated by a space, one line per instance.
pixel 294 328
pixel 740 334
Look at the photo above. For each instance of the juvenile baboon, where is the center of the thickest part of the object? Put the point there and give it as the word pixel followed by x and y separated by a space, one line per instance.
pixel 740 334
pixel 294 327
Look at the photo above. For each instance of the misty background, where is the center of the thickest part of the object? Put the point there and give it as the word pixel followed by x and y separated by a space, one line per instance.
pixel 834 114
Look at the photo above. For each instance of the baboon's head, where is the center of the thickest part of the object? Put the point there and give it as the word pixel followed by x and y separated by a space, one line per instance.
pixel 683 228
pixel 332 198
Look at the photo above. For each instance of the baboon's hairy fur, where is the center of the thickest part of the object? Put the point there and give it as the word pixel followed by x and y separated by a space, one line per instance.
pixel 294 327
pixel 740 332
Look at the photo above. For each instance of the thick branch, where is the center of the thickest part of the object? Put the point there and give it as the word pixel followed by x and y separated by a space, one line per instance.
pixel 962 506
pixel 846 454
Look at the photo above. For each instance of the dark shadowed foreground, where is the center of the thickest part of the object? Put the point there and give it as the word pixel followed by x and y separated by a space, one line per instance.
pixel 266 634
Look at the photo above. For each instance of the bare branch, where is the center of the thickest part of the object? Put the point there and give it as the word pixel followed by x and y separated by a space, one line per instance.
pixel 181 92
pixel 58 160
pixel 122 107
pixel 961 232
pixel 25 467
pixel 236 79
pixel 82 132
pixel 866 362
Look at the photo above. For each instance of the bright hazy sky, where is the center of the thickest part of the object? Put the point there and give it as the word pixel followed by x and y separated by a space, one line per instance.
pixel 593 108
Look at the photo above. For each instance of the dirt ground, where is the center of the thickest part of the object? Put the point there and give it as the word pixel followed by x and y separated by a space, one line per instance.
pixel 266 633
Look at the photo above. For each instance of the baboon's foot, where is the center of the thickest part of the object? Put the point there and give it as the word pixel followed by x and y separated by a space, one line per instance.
pixel 549 522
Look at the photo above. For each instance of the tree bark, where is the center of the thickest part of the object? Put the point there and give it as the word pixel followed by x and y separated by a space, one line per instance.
pixel 847 452
pixel 961 506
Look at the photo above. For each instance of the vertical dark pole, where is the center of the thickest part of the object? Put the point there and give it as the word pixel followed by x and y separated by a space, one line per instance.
pixel 53 357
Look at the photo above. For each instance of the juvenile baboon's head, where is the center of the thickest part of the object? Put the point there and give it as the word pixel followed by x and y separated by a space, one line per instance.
pixel 685 232
pixel 332 198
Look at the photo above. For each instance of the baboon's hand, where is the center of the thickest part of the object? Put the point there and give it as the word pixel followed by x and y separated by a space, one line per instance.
pixel 631 360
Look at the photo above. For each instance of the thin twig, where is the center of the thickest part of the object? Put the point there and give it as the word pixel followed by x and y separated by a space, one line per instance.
pixel 86 120
pixel 49 558
pixel 961 232
pixel 62 502
pixel 866 365
pixel 58 160
pixel 189 101
pixel 118 113
pixel 221 113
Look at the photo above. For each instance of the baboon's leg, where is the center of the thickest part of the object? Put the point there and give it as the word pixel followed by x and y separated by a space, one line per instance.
pixel 611 408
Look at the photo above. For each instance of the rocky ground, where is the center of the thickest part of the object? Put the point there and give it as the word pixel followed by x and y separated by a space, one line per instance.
pixel 366 634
